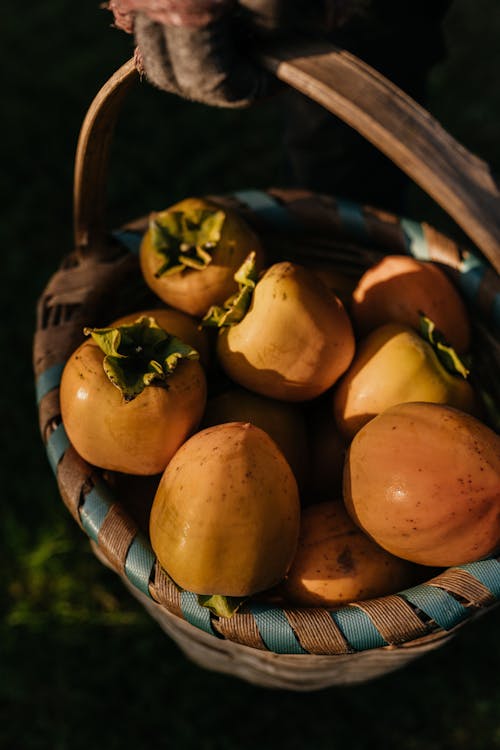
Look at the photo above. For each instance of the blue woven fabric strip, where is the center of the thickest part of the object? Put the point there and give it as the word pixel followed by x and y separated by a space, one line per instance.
pixel 266 206
pixel 130 240
pixel 48 380
pixel 487 572
pixel 95 509
pixel 437 603
pixel 56 447
pixel 416 243
pixel 352 218
pixel 472 270
pixel 275 630
pixel 194 613
pixel 139 564
pixel 358 629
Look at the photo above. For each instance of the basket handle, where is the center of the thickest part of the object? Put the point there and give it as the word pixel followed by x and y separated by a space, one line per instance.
pixel 460 182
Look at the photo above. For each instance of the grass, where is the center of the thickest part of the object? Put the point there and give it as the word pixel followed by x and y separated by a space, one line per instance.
pixel 81 663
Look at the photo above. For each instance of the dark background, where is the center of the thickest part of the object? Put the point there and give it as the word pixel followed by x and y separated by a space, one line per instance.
pixel 81 664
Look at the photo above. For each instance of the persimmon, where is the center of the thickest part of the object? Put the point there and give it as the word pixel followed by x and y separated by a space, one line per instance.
pixel 327 449
pixel 393 365
pixel 191 251
pixel 225 518
pixel 423 480
pixel 336 563
pixel 130 396
pixel 398 288
pixel 295 339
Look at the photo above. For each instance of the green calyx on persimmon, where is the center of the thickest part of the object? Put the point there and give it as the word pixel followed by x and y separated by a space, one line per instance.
pixel 423 480
pixel 185 239
pixel 444 352
pixel 295 340
pixel 178 324
pixel 221 606
pixel 191 251
pixel 235 307
pixel 139 434
pixel 139 353
pixel 394 365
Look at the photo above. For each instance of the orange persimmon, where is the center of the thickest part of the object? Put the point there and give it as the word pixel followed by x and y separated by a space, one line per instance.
pixel 423 480
pixel 336 563
pixel 399 288
pixel 129 401
pixel 191 251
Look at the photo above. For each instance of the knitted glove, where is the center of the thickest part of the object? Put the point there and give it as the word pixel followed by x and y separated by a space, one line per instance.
pixel 203 49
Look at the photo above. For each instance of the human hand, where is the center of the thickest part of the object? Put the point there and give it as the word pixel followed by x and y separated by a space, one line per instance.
pixel 203 49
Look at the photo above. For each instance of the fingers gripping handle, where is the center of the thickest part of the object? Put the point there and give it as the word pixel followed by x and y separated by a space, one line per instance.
pixel 457 180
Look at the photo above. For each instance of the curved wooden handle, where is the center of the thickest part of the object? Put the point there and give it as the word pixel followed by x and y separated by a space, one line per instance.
pixel 460 182
pixel 91 162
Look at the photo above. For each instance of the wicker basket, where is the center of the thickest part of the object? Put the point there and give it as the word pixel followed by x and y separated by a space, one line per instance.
pixel 292 648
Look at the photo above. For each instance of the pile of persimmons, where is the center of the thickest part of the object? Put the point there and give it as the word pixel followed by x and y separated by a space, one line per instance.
pixel 339 450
